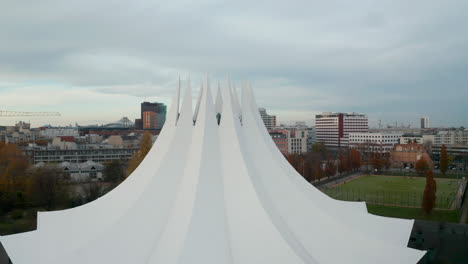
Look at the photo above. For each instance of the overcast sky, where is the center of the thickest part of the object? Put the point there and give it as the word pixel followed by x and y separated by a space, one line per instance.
pixel 95 61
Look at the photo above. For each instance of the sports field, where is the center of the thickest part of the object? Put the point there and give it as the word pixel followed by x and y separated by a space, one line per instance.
pixel 394 190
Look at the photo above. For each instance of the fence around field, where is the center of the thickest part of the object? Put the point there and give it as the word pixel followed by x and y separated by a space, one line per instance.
pixel 444 200
pixel 436 175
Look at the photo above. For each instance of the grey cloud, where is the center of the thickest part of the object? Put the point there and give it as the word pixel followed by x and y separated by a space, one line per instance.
pixel 301 55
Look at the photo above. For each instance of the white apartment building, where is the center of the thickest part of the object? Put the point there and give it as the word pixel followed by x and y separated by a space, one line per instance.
pixel 451 137
pixel 297 141
pixel 411 139
pixel 51 132
pixel 290 140
pixel 333 128
pixel 268 120
pixel 375 142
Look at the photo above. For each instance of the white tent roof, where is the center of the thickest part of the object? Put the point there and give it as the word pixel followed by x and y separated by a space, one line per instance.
pixel 214 194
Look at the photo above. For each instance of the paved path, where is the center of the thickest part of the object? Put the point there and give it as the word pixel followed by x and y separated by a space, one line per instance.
pixel 339 180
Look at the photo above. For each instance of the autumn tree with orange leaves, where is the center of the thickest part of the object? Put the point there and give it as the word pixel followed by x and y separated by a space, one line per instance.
pixel 429 196
pixel 14 183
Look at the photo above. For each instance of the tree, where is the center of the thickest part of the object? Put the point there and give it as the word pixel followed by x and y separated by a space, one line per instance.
pixel 342 162
pixel 387 161
pixel 146 144
pixel 296 161
pixel 137 157
pixel 320 148
pixel 14 183
pixel 378 162
pixel 421 166
pixel 443 160
pixel 48 187
pixel 312 161
pixel 113 172
pixel 319 173
pixel 330 169
pixel 429 196
pixel 355 159
pixel 13 165
pixel 91 191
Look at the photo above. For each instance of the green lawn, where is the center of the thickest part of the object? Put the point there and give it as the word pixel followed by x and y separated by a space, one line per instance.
pixel 10 225
pixel 394 190
pixel 414 213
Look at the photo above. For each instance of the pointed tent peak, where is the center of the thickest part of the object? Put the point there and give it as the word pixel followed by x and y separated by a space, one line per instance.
pixel 207 80
pixel 236 104
pixel 177 102
pixel 246 100
pixel 219 100
pixel 186 109
pixel 206 112
pixel 197 106
pixel 207 93
pixel 252 96
pixel 229 116
pixel 173 113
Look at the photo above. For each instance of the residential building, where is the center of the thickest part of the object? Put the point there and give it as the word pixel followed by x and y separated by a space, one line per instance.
pixel 84 171
pixel 311 138
pixel 297 141
pixel 290 140
pixel 268 120
pixel 374 142
pixel 98 154
pixel 411 138
pixel 281 141
pixel 451 137
pixel 406 155
pixel 64 142
pixel 51 132
pixel 333 128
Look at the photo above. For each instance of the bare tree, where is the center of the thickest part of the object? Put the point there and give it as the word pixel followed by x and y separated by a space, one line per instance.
pixel 48 186
pixel 91 191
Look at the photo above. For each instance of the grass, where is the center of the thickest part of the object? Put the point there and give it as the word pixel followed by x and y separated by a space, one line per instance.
pixel 9 225
pixel 414 213
pixel 393 190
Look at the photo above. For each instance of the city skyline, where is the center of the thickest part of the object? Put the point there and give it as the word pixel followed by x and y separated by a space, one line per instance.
pixel 394 61
pixel 284 118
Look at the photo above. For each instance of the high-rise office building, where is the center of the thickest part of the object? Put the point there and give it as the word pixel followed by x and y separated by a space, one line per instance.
pixel 268 120
pixel 333 129
pixel 149 120
pixel 159 117
pixel 424 122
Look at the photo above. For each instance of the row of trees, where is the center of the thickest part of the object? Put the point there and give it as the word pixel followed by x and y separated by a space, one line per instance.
pixel 380 161
pixel 48 187
pixel 321 163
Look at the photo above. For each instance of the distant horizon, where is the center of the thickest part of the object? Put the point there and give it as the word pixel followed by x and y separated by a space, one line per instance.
pixel 58 121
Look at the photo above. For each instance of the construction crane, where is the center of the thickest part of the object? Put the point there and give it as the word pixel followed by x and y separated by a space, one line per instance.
pixel 14 113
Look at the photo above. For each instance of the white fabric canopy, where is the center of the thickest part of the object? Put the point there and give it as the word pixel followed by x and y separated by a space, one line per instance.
pixel 213 194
